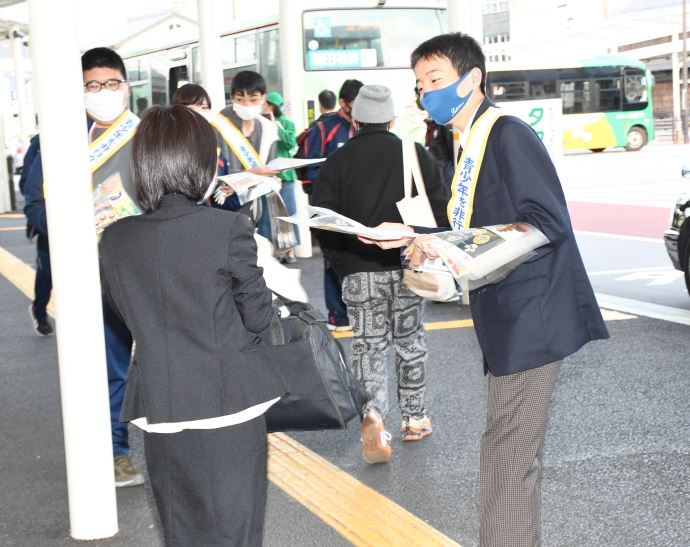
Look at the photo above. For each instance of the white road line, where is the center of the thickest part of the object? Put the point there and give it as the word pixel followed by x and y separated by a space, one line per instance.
pixel 632 270
pixel 646 309
pixel 619 236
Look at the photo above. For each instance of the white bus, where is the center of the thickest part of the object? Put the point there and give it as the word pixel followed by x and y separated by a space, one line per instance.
pixel 368 40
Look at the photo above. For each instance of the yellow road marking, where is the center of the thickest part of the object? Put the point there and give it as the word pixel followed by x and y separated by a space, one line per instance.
pixel 359 513
pixel 12 229
pixel 608 315
pixel 354 510
pixel 11 215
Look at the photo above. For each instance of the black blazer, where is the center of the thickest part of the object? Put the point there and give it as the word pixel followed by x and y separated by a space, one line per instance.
pixel 185 281
pixel 545 310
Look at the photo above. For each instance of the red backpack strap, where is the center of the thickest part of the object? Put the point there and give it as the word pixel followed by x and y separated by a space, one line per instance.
pixel 331 134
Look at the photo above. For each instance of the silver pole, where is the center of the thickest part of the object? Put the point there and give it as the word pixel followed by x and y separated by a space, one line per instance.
pixel 209 53
pixel 684 111
pixel 17 55
pixel 76 283
pixel 291 44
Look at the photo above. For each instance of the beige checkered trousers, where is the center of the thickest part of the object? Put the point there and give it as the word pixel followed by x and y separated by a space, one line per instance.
pixel 511 454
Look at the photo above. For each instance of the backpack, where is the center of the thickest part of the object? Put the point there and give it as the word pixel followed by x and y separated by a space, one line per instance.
pixel 303 149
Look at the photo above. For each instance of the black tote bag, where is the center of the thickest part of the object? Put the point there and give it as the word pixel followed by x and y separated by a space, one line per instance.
pixel 323 393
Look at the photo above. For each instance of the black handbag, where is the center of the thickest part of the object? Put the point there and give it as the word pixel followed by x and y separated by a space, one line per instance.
pixel 323 393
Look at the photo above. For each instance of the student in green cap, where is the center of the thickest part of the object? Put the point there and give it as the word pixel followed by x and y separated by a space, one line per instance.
pixel 286 147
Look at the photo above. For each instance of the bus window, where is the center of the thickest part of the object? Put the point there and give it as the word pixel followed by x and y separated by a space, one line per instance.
pixel 179 75
pixel 269 59
pixel 634 89
pixel 576 97
pixel 607 95
pixel 159 84
pixel 245 48
pixel 366 38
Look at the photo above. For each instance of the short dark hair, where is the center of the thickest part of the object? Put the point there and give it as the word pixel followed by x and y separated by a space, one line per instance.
pixel 173 152
pixel 249 82
pixel 327 99
pixel 462 50
pixel 103 57
pixel 190 95
pixel 349 90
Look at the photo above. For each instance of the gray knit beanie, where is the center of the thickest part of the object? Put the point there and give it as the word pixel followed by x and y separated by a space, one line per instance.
pixel 373 104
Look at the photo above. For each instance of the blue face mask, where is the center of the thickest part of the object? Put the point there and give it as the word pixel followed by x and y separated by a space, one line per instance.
pixel 444 104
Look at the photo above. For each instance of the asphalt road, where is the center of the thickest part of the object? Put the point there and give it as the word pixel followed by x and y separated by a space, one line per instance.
pixel 617 454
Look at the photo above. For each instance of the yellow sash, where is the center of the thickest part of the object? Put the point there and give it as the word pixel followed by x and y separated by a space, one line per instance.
pixel 467 170
pixel 114 138
pixel 237 142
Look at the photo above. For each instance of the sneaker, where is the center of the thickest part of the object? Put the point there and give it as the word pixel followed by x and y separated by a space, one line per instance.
pixel 41 326
pixel 377 441
pixel 125 472
pixel 287 260
pixel 338 325
pixel 414 429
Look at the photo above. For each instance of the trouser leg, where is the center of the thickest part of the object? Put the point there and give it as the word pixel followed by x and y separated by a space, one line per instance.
pixel 44 282
pixel 368 298
pixel 210 485
pixel 333 294
pixel 118 350
pixel 511 455
pixel 410 348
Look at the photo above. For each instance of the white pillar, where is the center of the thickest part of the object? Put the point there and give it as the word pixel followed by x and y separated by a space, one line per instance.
pixel 209 54
pixel 466 16
pixel 25 122
pixel 290 28
pixel 5 196
pixel 675 83
pixel 76 283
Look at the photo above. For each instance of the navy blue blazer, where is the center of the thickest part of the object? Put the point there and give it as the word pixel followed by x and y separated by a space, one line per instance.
pixel 545 310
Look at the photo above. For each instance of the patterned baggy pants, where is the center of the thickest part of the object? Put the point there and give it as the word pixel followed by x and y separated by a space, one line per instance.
pixel 381 307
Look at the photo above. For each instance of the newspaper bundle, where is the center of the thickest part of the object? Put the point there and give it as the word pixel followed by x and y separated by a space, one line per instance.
pixel 481 255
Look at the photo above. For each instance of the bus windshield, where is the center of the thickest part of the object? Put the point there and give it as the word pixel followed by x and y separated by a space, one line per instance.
pixel 366 38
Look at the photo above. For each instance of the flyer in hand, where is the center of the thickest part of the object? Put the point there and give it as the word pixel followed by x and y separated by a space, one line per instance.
pixel 483 255
pixel 111 203
pixel 247 186
pixel 325 219
pixel 281 164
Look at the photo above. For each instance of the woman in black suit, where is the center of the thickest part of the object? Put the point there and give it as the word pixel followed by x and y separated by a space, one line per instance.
pixel 184 279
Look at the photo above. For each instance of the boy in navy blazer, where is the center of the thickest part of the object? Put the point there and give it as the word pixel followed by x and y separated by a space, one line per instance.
pixel 529 322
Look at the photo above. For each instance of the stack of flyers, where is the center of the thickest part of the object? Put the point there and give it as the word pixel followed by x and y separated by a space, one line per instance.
pixel 111 203
pixel 247 186
pixel 484 255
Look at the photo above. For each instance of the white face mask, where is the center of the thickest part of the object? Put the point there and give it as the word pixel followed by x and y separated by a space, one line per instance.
pixel 248 112
pixel 105 105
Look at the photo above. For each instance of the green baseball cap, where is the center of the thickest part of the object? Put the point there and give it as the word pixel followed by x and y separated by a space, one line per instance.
pixel 275 98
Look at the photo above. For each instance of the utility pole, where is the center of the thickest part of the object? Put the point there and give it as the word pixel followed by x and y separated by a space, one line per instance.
pixel 684 111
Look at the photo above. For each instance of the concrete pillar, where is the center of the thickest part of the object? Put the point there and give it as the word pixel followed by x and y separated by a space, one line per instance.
pixel 5 180
pixel 76 283
pixel 290 29
pixel 26 124
pixel 675 82
pixel 466 16
pixel 209 54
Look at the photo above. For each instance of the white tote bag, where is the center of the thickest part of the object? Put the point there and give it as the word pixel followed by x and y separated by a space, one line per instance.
pixel 415 211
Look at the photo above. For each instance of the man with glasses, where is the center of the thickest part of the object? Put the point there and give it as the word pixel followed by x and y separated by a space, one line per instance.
pixel 111 126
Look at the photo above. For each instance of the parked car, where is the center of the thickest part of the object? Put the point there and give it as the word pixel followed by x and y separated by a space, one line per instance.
pixel 677 236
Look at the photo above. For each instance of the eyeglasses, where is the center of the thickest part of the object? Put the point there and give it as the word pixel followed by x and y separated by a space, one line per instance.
pixel 94 86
